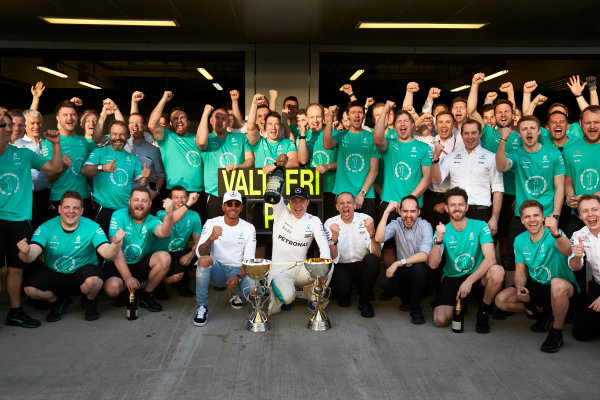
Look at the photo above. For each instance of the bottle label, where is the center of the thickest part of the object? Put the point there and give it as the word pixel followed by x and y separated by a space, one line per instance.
pixel 457 325
pixel 274 183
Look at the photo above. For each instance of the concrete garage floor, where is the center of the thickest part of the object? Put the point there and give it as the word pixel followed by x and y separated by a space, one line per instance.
pixel 163 356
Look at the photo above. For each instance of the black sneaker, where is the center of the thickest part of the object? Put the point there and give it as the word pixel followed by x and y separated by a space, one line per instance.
pixel 553 341
pixel 543 323
pixel 366 310
pixel 404 307
pixel 148 301
pixel 386 296
pixel 57 309
pixel 501 314
pixel 483 322
pixel 416 316
pixel 18 317
pixel 200 317
pixel 161 292
pixel 91 309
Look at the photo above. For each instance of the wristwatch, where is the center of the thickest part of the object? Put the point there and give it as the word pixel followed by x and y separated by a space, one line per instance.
pixel 556 216
pixel 99 167
pixel 439 243
pixel 239 277
pixel 332 243
pixel 558 235
pixel 362 192
pixel 403 262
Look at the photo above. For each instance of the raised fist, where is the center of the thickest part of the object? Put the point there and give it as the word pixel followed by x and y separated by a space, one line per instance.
pixel 412 87
pixel 234 94
pixel 529 86
pixel 507 87
pixel 137 96
pixel 167 95
pixel 478 78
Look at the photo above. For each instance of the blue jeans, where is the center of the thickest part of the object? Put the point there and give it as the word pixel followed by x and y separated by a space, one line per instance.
pixel 217 275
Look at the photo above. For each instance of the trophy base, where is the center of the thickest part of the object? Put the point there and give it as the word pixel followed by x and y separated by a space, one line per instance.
pixel 318 321
pixel 258 322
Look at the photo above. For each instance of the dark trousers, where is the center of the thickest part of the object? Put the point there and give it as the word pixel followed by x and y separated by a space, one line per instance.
pixel 587 321
pixel 214 206
pixel 369 208
pixel 410 283
pixel 362 273
pixel 430 199
pixel 102 217
pixel 41 207
pixel 479 213
pixel 515 228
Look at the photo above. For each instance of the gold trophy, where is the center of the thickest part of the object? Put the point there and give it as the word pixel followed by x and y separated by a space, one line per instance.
pixel 319 268
pixel 257 269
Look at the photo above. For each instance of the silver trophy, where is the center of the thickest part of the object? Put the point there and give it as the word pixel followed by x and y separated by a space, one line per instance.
pixel 257 269
pixel 319 268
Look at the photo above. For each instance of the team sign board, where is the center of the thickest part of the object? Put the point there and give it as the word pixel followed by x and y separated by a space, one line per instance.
pixel 251 183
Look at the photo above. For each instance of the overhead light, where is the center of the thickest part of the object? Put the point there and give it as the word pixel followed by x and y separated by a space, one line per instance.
pixel 358 73
pixel 205 74
pixel 458 89
pixel 219 87
pixel 342 89
pixel 120 22
pixel 52 71
pixel 419 25
pixel 84 83
pixel 495 75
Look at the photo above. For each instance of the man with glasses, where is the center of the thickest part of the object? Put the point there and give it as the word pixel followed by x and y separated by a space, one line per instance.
pixel 224 243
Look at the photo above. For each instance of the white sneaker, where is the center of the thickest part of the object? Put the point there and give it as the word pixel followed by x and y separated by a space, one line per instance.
pixel 236 302
pixel 200 317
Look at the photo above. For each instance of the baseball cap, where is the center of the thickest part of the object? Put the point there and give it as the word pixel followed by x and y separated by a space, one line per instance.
pixel 233 195
pixel 299 192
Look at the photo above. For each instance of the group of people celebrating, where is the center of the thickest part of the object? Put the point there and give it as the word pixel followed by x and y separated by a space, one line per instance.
pixel 472 202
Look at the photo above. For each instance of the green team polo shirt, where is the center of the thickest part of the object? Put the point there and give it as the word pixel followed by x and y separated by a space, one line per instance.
pixel 548 142
pixel 182 230
pixel 266 153
pixel 354 153
pixel 219 153
pixel 112 190
pixel 582 164
pixel 463 248
pixel 490 140
pixel 391 134
pixel 403 173
pixel 534 176
pixel 66 251
pixel 182 161
pixel 139 238
pixel 317 155
pixel 78 149
pixel 543 260
pixel 16 191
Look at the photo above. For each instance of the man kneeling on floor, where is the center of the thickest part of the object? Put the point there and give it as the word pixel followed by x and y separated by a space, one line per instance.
pixel 542 275
pixel 229 240
pixel 69 243
pixel 470 260
pixel 137 261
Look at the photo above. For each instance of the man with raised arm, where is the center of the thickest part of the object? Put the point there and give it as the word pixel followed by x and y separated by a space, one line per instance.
pixel 358 158
pixel 114 172
pixel 138 261
pixel 220 149
pixel 16 201
pixel 180 154
pixel 69 243
pixel 75 150
pixel 470 260
pixel 542 276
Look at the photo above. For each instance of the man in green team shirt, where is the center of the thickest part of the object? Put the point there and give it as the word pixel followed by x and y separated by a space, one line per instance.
pixel 75 150
pixel 69 243
pixel 470 259
pixel 138 261
pixel 539 175
pixel 312 153
pixel 542 276
pixel 114 171
pixel 186 224
pixel 179 152
pixel 358 158
pixel 220 149
pixel 16 201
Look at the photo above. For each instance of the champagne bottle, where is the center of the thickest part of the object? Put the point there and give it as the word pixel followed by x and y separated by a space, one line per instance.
pixel 132 306
pixel 275 184
pixel 458 319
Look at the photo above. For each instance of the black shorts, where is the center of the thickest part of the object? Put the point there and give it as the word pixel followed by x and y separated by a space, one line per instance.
pixel 446 295
pixel 11 232
pixel 62 284
pixel 102 216
pixel 176 267
pixel 139 270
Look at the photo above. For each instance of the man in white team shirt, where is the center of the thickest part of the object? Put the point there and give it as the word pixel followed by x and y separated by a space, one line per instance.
pixel 293 232
pixel 229 240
